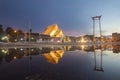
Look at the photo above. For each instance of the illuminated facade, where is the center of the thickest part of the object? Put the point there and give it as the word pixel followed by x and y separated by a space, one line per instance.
pixel 53 31
pixel 52 34
pixel 67 39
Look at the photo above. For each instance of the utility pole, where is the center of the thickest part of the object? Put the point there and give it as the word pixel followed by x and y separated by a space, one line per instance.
pixel 29 31
pixel 25 36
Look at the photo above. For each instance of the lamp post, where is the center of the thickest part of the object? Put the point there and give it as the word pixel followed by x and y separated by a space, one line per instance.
pixel 15 31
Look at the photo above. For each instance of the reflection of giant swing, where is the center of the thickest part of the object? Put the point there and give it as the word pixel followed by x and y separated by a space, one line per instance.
pixel 100 67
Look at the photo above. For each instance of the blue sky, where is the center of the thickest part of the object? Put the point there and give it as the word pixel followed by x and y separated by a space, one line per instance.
pixel 72 16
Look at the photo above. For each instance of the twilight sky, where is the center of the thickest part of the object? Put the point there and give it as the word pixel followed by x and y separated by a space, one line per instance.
pixel 72 16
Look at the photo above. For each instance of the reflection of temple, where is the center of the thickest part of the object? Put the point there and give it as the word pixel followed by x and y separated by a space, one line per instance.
pixel 54 56
pixel 17 53
pixel 98 67
pixel 54 52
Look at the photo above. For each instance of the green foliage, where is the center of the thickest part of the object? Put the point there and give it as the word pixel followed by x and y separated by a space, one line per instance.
pixel 9 31
pixel 1 29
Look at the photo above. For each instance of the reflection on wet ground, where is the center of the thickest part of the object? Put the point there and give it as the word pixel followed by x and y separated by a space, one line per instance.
pixel 84 62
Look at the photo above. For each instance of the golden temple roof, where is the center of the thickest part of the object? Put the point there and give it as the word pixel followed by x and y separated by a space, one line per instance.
pixel 53 31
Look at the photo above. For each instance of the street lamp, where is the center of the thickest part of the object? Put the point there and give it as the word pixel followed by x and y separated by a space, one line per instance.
pixel 15 31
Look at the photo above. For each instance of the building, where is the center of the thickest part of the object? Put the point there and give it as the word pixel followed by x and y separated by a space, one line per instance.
pixel 24 37
pixel 88 38
pixel 53 31
pixel 115 37
pixel 67 39
pixel 52 34
pixel 44 38
pixel 107 38
pixel 85 38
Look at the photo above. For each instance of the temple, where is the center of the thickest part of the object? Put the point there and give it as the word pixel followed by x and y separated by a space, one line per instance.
pixel 52 34
pixel 53 31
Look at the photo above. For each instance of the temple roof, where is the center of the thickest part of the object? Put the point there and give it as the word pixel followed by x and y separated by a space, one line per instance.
pixel 53 31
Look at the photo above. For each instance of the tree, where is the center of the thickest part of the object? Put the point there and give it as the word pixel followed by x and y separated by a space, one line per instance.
pixel 9 30
pixel 1 29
